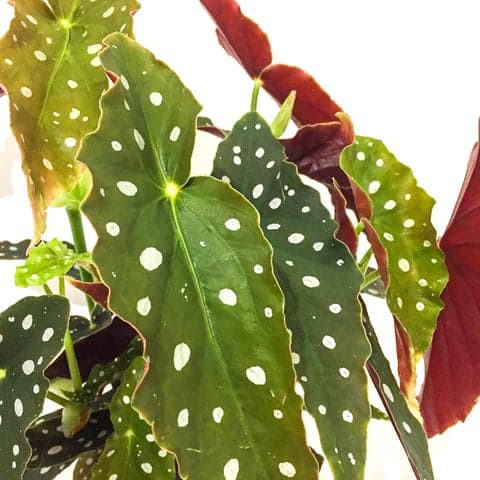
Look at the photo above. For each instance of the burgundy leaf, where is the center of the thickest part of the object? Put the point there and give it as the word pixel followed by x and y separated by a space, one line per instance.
pixel 97 291
pixel 345 231
pixel 452 384
pixel 239 36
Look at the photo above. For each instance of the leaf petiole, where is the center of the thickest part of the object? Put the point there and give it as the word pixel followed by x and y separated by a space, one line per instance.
pixel 72 362
pixel 257 84
pixel 370 278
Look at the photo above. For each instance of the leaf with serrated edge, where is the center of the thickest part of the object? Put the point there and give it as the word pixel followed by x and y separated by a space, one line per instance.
pixel 321 283
pixel 408 428
pixel 189 250
pixel 31 335
pixel 400 212
pixel 131 452
pixel 54 102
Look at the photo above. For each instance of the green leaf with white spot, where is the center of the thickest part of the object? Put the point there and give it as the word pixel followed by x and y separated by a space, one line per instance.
pixel 73 198
pixel 47 261
pixel 50 67
pixel 31 335
pixel 85 465
pixel 408 428
pixel 400 213
pixel 188 248
pixel 321 283
pixel 131 452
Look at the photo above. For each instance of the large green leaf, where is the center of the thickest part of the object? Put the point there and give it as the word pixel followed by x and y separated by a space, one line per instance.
pixel 50 67
pixel 131 452
pixel 321 283
pixel 189 251
pixel 31 335
pixel 400 212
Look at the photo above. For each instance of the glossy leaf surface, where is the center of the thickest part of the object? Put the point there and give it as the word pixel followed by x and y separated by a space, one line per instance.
pixel 399 211
pixel 31 335
pixel 407 427
pixel 321 283
pixel 190 250
pixel 131 452
pixel 51 71
pixel 451 385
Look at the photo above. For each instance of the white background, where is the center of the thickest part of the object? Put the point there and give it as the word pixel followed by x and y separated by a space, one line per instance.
pixel 407 72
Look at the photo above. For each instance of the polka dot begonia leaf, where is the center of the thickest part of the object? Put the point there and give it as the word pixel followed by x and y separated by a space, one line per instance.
pixel 13 251
pixel 50 68
pixel 400 212
pixel 408 428
pixel 31 335
pixel 189 249
pixel 47 261
pixel 85 465
pixel 50 447
pixel 131 451
pixel 321 284
pixel 46 473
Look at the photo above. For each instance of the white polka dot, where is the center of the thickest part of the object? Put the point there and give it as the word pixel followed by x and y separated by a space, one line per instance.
pixel 55 450
pixel 117 146
pixel 361 156
pixel 127 188
pixel 156 99
pixel 39 55
pixel 322 409
pixel 388 392
pixel 26 92
pixel 18 407
pixel 237 160
pixel 175 134
pixel 162 453
pixel 32 19
pixel 406 427
pixel 409 223
pixel 422 282
pixel 93 49
pixel 295 358
pixel 36 389
pixel 344 372
pixel 268 312
pixel 427 243
pixel 388 236
pixel 112 229
pixel 270 164
pixel 47 334
pixel 70 142
pixel 390 205
pixel 95 62
pixel 278 414
pixel 374 187
pixel 27 322
pixel 273 226
pixel 258 268
pixel 183 418
pixel 287 469
pixel 347 416
pixel 260 152
pixel 226 179
pixel 231 469
pixel 329 342
pixel 126 400
pixel 8 61
pixel 113 476
pixel 107 13
pixel 256 375
pixel 275 203
pixel 144 306
pixel 399 302
pixel 257 191
pixel 47 164
pixel 151 258
pixel 181 356
pixel 15 450
pixel 139 139
pixel 310 281
pixel 404 265
pixel 72 84
pixel 296 238
pixel 146 467
pixel 228 297
pixel 335 308
pixel 420 306
pixel 28 367
pixel 74 113
pixel 236 149
pixel 217 414
pixel 317 246
pixel 379 163
pixel 232 224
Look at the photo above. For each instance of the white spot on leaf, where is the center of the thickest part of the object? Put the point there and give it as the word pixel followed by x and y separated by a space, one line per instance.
pixel 228 297
pixel 151 258
pixel 256 375
pixel 181 356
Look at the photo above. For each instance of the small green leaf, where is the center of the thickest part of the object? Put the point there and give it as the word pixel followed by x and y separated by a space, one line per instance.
pixel 321 283
pixel 131 452
pixel 31 335
pixel 192 293
pixel 400 214
pixel 408 428
pixel 72 199
pixel 51 71
pixel 284 115
pixel 47 261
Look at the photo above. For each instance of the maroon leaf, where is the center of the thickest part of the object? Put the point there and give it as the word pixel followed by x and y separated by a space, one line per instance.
pixel 97 291
pixel 451 385
pixel 345 231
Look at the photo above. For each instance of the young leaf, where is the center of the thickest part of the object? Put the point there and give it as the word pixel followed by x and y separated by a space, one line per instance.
pixel 451 385
pixel 131 452
pixel 321 283
pixel 408 428
pixel 31 335
pixel 47 261
pixel 284 115
pixel 399 211
pixel 50 69
pixel 192 293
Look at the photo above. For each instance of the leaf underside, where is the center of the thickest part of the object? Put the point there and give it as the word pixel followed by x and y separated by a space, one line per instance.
pixel 321 283
pixel 50 68
pixel 197 301
pixel 399 211
pixel 31 335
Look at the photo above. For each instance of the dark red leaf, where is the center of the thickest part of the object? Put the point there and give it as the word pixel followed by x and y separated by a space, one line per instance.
pixel 97 291
pixel 345 231
pixel 452 384
pixel 239 36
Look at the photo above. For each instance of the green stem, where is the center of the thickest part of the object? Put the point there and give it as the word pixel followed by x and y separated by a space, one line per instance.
pixel 371 277
pixel 256 90
pixel 72 362
pixel 61 286
pixel 363 262
pixel 57 399
pixel 359 228
pixel 47 289
pixel 76 225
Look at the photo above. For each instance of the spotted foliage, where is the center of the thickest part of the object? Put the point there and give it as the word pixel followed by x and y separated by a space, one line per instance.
pixel 31 335
pixel 408 428
pixel 85 464
pixel 188 248
pixel 400 212
pixel 13 251
pixel 321 283
pixel 46 473
pixel 131 452
pixel 54 101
